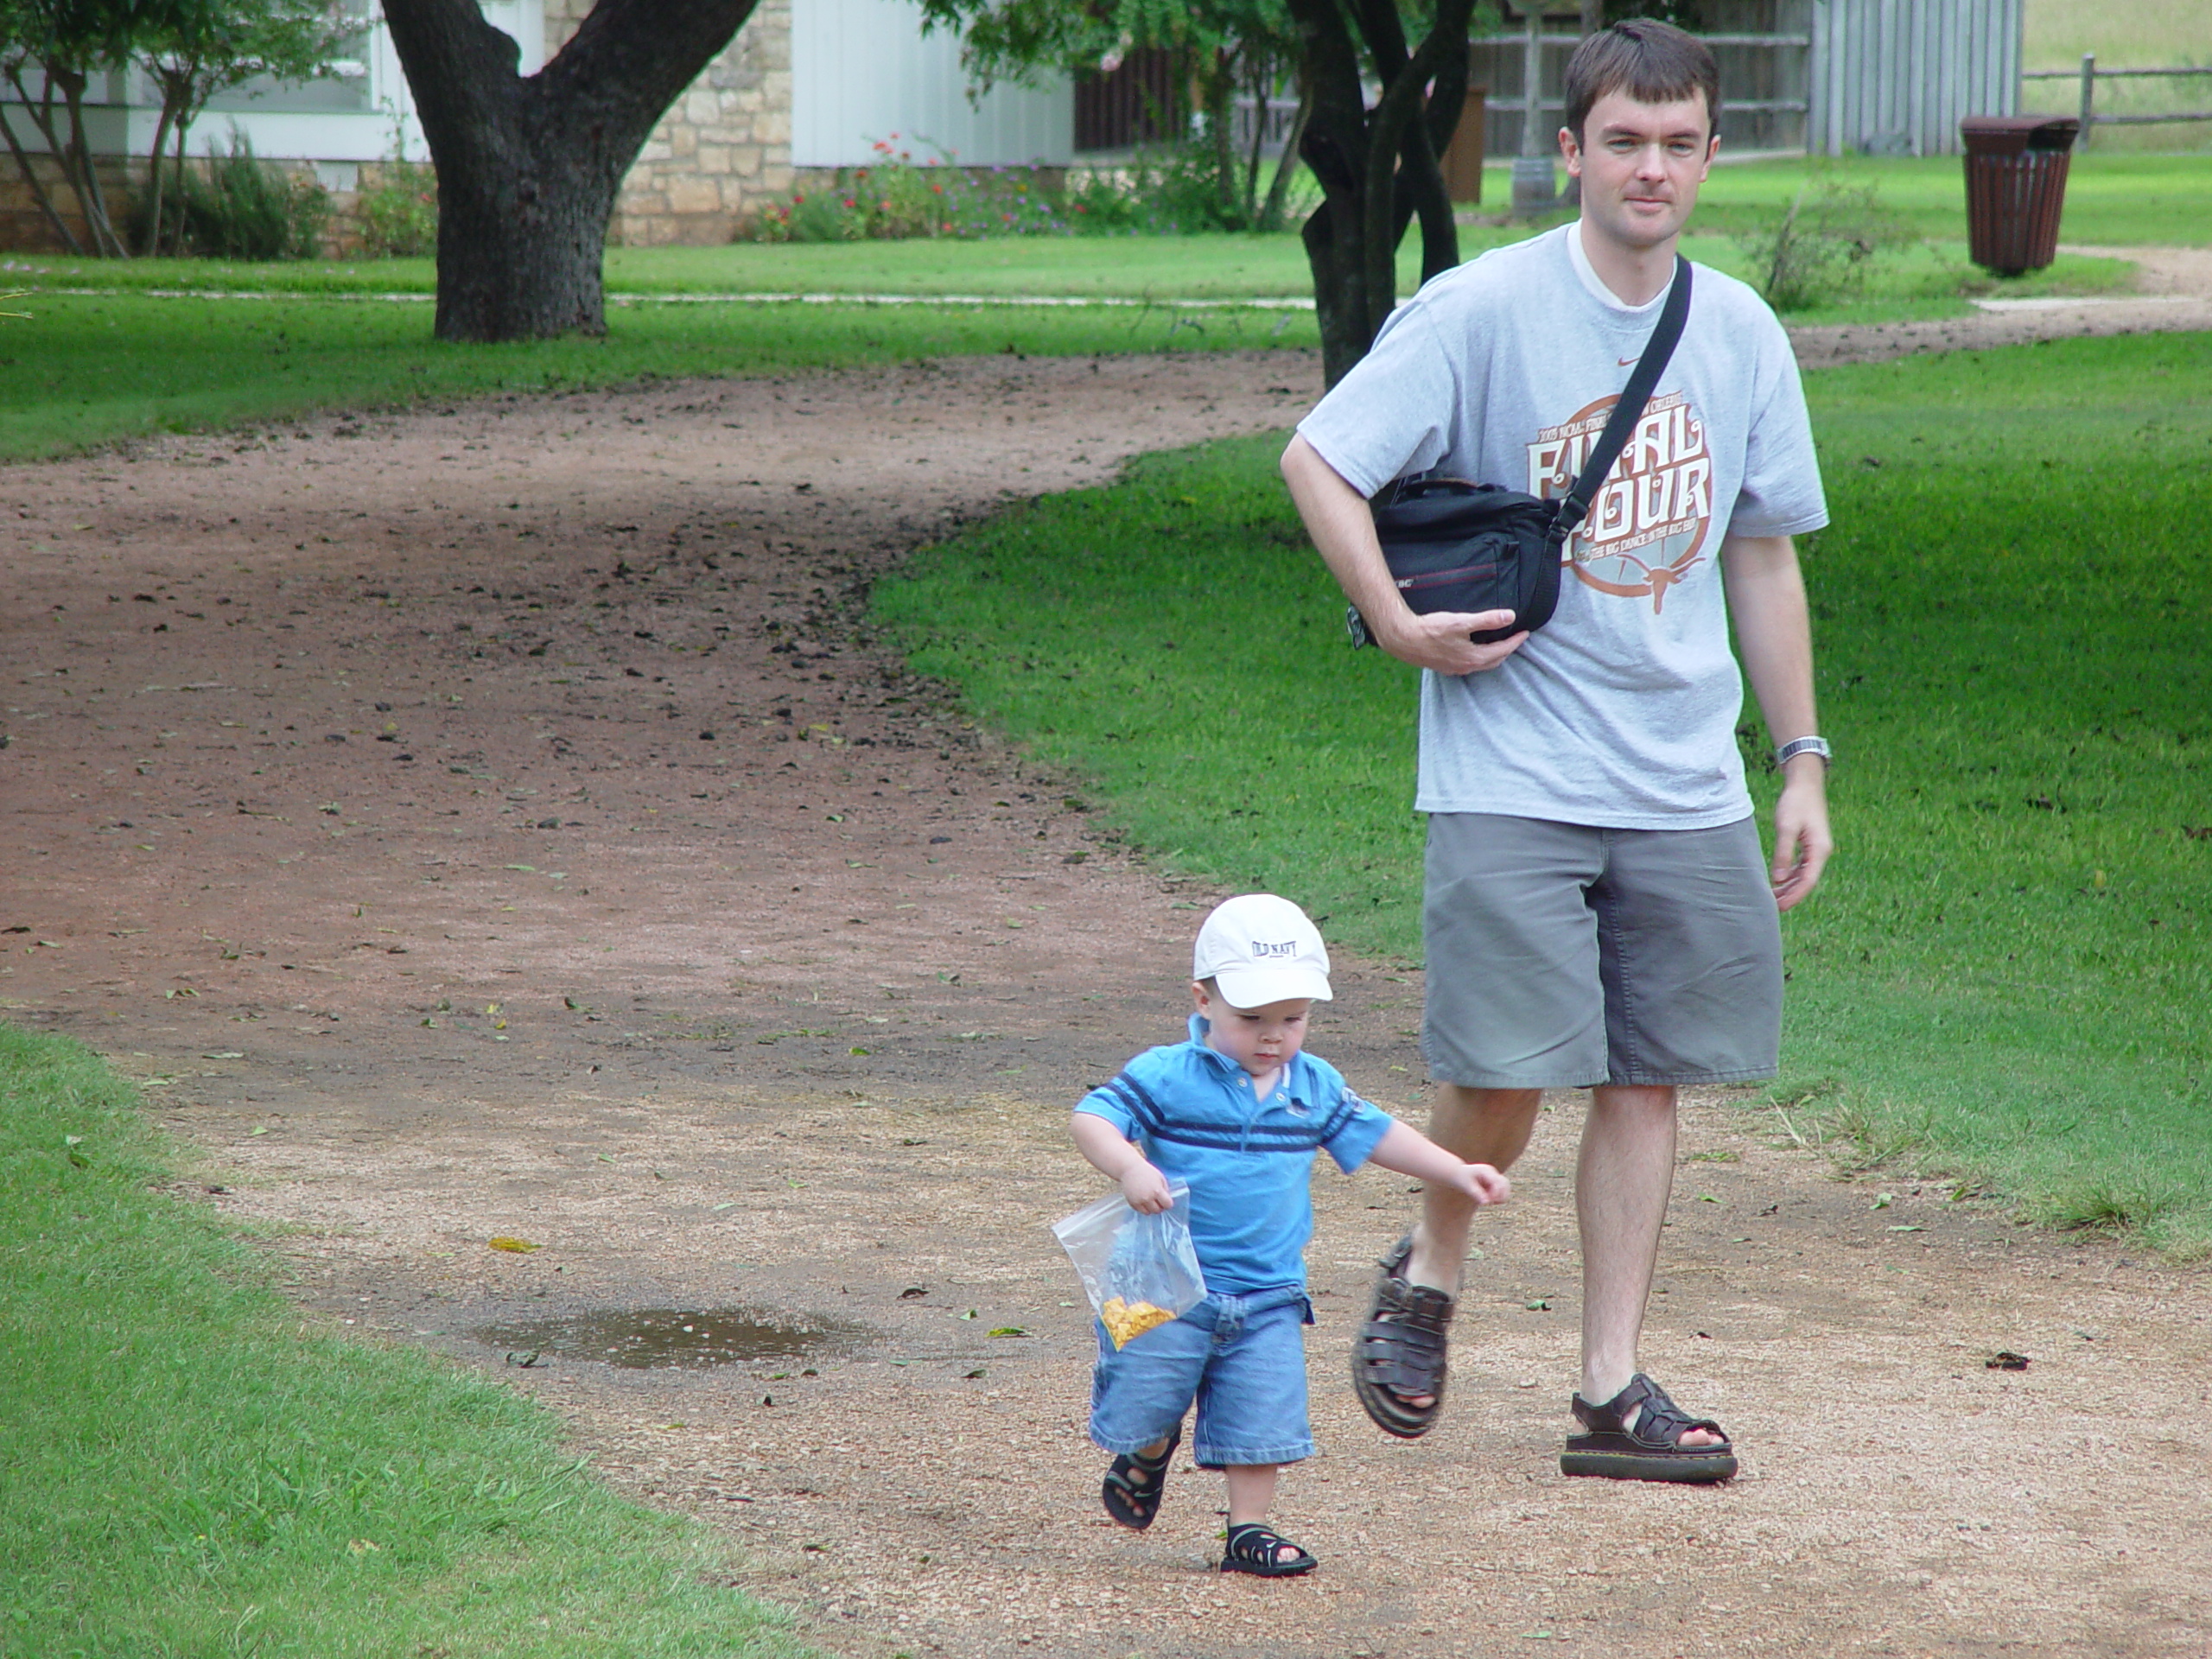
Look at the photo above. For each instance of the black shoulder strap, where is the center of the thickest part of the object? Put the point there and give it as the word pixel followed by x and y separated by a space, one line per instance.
pixel 1627 412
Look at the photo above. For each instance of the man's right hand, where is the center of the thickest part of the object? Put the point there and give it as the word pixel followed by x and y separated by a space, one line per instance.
pixel 1440 640
pixel 1337 519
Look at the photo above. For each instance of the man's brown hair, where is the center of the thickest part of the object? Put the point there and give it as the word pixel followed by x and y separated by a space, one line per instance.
pixel 1651 61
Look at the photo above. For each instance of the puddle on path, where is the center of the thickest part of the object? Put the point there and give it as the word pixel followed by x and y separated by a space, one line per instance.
pixel 684 1339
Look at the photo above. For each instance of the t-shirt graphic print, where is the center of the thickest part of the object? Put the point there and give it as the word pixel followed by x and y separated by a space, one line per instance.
pixel 1647 528
pixel 1621 711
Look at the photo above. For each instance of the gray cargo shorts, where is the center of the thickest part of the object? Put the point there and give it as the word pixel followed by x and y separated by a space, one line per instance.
pixel 1561 955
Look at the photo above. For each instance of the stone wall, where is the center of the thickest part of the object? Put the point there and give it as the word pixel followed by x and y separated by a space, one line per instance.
pixel 724 148
pixel 25 229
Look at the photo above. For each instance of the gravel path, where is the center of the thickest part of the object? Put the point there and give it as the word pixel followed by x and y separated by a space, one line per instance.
pixel 361 795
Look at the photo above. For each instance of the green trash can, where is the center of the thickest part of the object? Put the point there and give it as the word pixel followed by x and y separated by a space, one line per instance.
pixel 2016 186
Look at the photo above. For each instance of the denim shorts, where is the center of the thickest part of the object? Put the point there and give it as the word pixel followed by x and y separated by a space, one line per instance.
pixel 1561 955
pixel 1242 1358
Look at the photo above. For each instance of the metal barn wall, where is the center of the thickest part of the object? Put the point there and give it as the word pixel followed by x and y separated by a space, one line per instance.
pixel 1894 76
pixel 863 70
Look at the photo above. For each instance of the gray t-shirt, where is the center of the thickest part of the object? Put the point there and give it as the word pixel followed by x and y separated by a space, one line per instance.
pixel 1621 712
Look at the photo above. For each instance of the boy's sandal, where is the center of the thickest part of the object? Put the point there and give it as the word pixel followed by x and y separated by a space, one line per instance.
pixel 1401 1351
pixel 1653 1450
pixel 1264 1552
pixel 1136 1484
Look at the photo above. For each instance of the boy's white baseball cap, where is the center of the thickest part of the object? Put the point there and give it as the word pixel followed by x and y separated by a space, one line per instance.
pixel 1259 949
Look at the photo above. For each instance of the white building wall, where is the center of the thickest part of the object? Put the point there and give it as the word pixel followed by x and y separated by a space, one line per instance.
pixel 863 70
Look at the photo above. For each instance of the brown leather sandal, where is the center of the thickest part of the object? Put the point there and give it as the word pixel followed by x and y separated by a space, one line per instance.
pixel 1402 1350
pixel 1653 1450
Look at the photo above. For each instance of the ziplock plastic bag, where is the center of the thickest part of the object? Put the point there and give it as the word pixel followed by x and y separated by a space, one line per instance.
pixel 1139 1271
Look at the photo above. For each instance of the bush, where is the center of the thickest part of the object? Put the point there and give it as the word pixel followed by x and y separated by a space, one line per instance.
pixel 898 197
pixel 243 208
pixel 1167 191
pixel 398 216
pixel 1818 251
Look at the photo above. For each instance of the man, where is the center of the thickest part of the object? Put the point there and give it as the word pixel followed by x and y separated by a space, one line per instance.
pixel 1598 911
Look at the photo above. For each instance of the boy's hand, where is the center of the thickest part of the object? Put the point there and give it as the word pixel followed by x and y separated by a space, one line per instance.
pixel 1146 1189
pixel 1483 1184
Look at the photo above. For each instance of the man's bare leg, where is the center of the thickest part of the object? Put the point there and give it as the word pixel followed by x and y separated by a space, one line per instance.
pixel 1483 1125
pixel 1622 1182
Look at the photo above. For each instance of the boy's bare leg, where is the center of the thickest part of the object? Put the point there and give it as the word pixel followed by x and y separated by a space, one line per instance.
pixel 1251 1491
pixel 1483 1125
pixel 1623 1178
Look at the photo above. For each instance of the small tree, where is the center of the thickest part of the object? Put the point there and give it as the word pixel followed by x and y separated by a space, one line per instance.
pixel 63 43
pixel 193 49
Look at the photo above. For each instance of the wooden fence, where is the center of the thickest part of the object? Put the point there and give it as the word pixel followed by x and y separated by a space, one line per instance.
pixel 2089 75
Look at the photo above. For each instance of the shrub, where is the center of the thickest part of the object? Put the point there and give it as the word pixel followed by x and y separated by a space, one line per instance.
pixel 244 208
pixel 898 197
pixel 1169 190
pixel 1817 253
pixel 398 215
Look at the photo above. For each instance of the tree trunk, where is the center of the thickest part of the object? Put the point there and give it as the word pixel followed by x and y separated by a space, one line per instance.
pixel 529 167
pixel 82 167
pixel 1286 168
pixel 1335 146
pixel 1376 169
pixel 28 168
pixel 152 244
pixel 1218 85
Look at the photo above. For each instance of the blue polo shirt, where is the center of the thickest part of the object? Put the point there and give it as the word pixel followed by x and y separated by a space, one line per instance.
pixel 1249 1163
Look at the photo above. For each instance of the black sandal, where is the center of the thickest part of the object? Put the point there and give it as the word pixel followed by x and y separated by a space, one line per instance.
pixel 1401 1351
pixel 1653 1450
pixel 1258 1550
pixel 1134 1501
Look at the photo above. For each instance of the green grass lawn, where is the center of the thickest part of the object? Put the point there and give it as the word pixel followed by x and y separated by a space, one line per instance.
pixel 193 1470
pixel 2126 200
pixel 88 368
pixel 2112 201
pixel 91 370
pixel 2005 975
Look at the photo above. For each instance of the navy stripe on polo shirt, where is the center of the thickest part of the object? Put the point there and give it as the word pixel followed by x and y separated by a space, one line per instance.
pixel 1249 1163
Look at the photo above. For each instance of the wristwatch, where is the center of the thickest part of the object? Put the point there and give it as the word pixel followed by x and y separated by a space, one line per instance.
pixel 1798 745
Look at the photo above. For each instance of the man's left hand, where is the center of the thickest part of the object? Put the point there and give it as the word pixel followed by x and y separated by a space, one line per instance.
pixel 1801 842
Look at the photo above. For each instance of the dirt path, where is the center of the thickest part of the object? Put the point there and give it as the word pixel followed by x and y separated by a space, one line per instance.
pixel 2173 294
pixel 492 822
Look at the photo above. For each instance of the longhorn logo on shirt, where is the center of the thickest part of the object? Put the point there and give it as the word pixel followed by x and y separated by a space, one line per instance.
pixel 1646 528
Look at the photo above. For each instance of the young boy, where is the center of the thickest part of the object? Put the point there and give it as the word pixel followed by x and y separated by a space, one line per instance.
pixel 1237 1112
